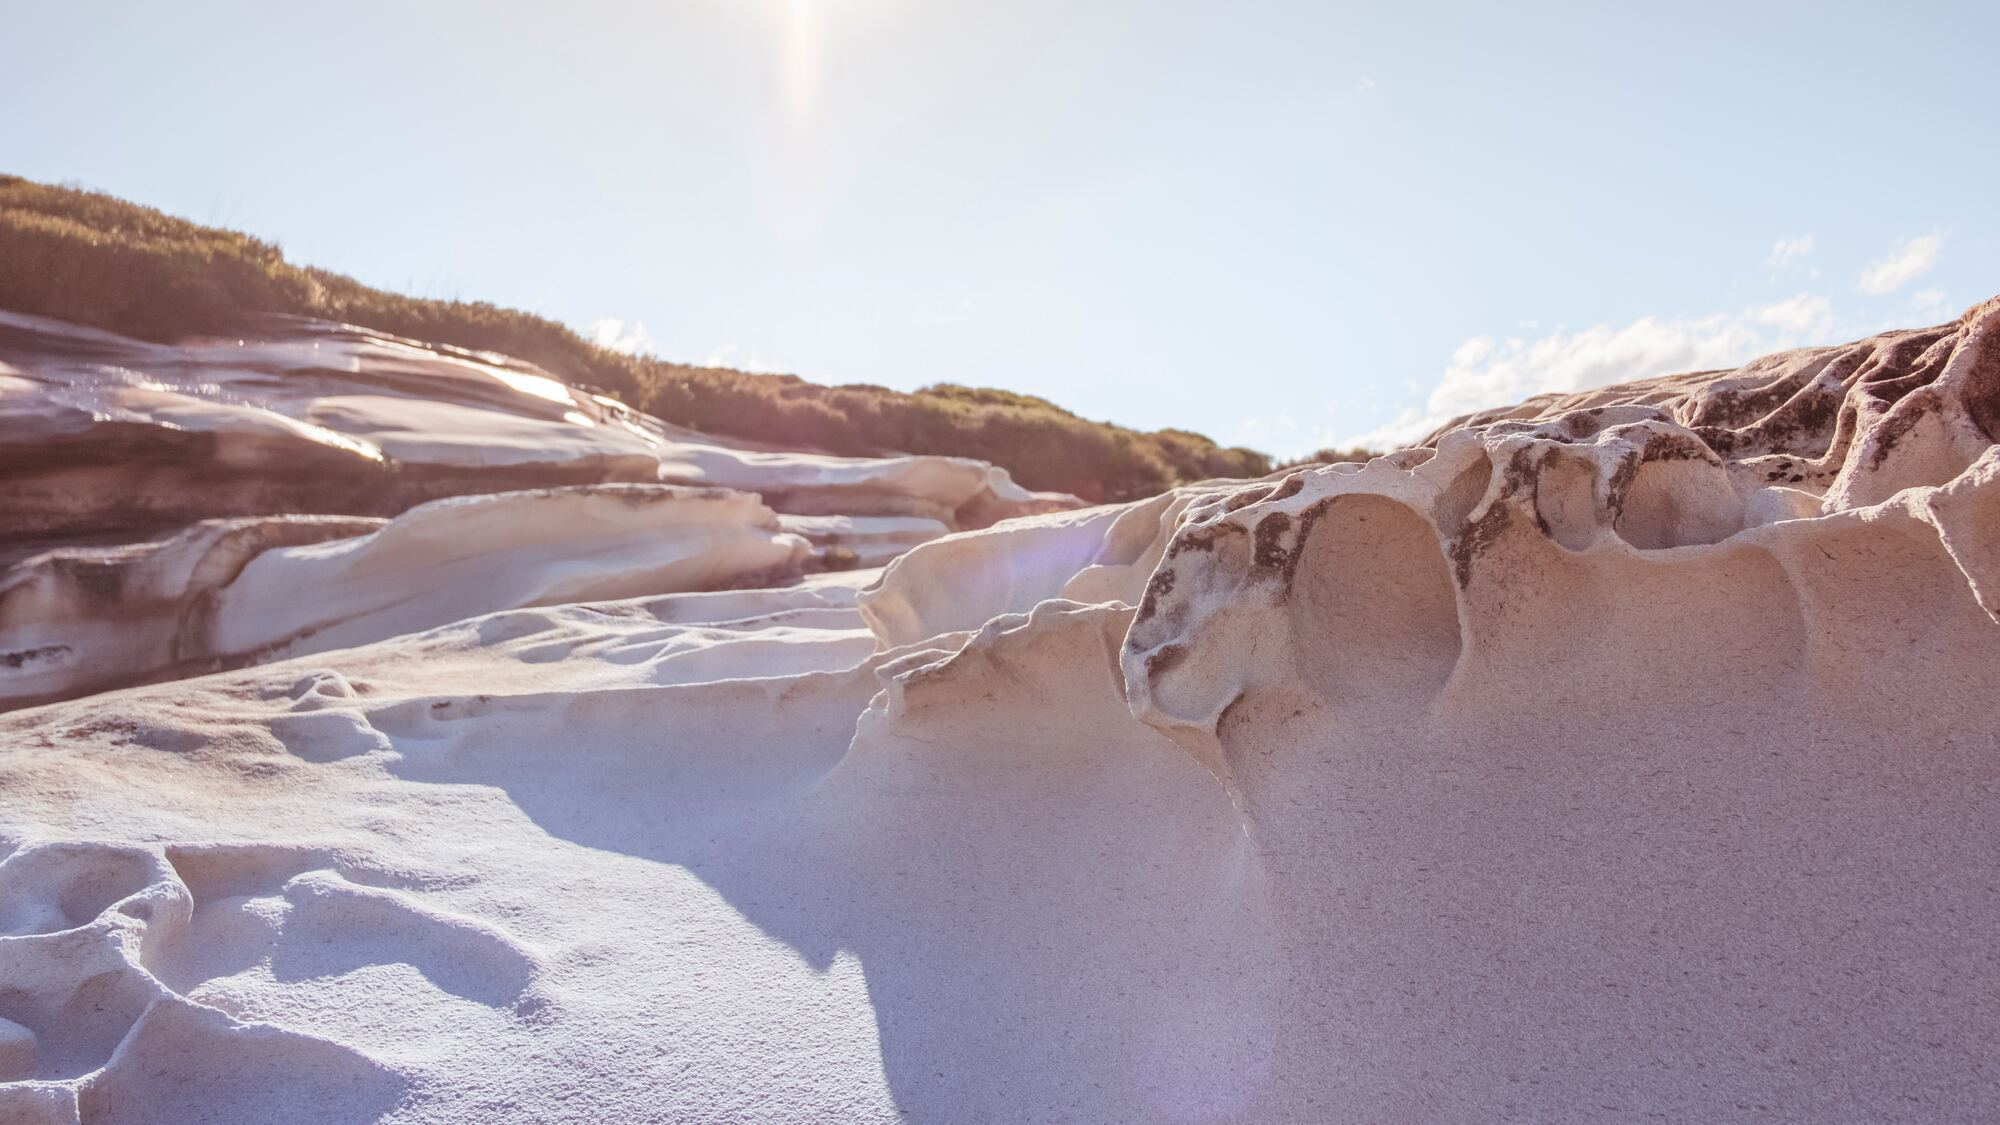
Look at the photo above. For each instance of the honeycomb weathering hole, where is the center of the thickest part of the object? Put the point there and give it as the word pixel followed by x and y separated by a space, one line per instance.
pixel 63 886
pixel 1566 500
pixel 1678 504
pixel 1373 612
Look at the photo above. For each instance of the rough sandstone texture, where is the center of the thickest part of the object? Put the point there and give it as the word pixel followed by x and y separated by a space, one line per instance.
pixel 142 481
pixel 101 434
pixel 1621 757
pixel 1589 510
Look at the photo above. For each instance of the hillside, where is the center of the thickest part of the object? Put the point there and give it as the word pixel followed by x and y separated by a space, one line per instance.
pixel 96 260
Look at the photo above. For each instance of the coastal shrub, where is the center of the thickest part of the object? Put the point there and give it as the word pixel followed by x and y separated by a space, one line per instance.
pixel 96 260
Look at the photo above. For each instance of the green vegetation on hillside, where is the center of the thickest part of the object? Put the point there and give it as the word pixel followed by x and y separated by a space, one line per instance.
pixel 93 259
pixel 1328 457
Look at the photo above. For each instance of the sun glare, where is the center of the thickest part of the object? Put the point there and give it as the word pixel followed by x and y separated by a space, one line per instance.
pixel 801 45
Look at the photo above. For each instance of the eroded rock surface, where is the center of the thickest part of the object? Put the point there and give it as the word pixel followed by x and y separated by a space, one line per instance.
pixel 233 592
pixel 140 479
pixel 1622 757
pixel 101 433
pixel 1449 549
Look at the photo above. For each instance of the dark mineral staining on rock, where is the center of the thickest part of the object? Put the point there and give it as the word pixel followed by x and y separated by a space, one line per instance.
pixel 1518 479
pixel 1271 551
pixel 1289 487
pixel 1159 586
pixel 1898 423
pixel 1475 539
pixel 21 658
pixel 1163 659
pixel 1201 537
pixel 1671 446
pixel 1582 423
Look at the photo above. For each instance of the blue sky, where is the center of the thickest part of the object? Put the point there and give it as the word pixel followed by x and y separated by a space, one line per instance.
pixel 1282 224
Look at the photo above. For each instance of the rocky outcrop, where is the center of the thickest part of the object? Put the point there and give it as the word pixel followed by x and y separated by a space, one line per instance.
pixel 101 434
pixel 845 542
pixel 82 619
pixel 957 491
pixel 141 479
pixel 226 593
pixel 1440 555
pixel 1626 756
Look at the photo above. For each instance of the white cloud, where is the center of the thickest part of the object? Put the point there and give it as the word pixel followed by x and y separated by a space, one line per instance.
pixel 1804 317
pixel 1486 372
pixel 1904 263
pixel 621 336
pixel 1930 304
pixel 1788 251
pixel 727 356
pixel 1253 430
pixel 1366 84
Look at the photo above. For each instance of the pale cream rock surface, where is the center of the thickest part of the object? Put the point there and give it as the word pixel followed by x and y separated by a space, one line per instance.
pixel 233 592
pixel 1623 757
pixel 165 510
pixel 100 432
pixel 870 540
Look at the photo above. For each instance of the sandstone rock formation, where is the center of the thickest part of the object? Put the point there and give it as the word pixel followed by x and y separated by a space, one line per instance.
pixel 142 479
pixel 100 433
pixel 1611 757
pixel 227 593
